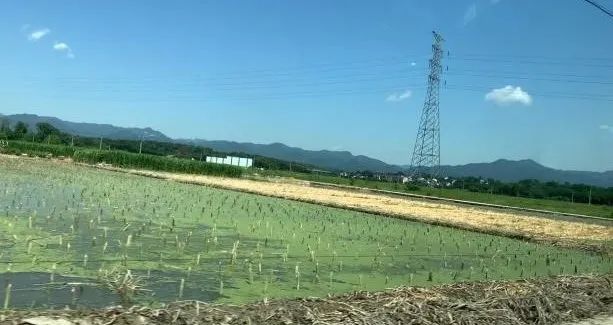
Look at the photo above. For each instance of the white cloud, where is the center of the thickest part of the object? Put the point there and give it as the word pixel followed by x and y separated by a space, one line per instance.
pixel 606 127
pixel 63 47
pixel 413 64
pixel 470 13
pixel 509 95
pixel 38 34
pixel 398 97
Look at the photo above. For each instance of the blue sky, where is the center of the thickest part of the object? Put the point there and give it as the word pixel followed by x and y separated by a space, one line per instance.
pixel 320 74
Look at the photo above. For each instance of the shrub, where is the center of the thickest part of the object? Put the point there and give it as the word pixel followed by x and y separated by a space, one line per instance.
pixel 411 187
pixel 37 149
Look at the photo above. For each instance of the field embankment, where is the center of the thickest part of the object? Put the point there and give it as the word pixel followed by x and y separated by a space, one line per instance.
pixel 516 225
pixel 555 202
pixel 544 301
pixel 555 214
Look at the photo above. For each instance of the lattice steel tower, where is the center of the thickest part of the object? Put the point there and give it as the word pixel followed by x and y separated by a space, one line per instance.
pixel 426 158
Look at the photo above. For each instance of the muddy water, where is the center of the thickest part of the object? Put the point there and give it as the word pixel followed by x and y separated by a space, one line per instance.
pixel 34 290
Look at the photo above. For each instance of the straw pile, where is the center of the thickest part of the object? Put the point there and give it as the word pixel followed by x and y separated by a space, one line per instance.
pixel 544 301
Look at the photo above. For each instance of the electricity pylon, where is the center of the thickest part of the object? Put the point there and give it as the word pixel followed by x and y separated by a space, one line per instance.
pixel 426 158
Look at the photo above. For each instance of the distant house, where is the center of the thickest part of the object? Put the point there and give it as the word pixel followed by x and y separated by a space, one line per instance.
pixel 229 160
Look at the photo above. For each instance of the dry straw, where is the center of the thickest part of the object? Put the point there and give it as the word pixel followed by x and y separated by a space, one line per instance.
pixel 543 301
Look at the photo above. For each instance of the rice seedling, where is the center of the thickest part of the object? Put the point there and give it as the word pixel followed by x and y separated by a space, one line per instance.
pixel 218 245
pixel 7 295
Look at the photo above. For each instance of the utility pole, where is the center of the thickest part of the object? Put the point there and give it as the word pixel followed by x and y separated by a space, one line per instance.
pixel 589 200
pixel 140 147
pixel 100 144
pixel 426 152
pixel 72 140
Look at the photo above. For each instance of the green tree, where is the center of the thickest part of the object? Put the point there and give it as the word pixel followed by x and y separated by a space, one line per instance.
pixel 5 129
pixel 21 129
pixel 45 130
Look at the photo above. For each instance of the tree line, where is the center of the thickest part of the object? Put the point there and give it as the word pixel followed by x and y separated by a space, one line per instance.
pixel 532 188
pixel 47 133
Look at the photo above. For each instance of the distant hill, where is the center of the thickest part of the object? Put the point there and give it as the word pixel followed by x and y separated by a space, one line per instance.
pixel 516 170
pixel 332 160
pixel 90 129
pixel 504 170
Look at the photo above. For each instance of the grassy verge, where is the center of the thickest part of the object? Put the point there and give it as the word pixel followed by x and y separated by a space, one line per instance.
pixel 459 194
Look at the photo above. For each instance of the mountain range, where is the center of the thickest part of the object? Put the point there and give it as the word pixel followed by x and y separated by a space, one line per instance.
pixel 502 169
pixel 326 159
pixel 92 130
pixel 516 170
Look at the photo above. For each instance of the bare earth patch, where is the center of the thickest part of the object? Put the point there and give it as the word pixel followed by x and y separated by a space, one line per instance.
pixel 563 233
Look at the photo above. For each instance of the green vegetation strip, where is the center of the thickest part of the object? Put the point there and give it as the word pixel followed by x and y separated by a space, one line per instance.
pixel 133 160
pixel 37 149
pixel 121 159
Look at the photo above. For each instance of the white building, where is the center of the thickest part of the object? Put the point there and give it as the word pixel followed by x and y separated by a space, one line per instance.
pixel 230 160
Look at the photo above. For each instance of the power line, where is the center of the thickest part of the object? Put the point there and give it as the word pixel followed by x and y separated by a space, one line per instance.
pixel 392 62
pixel 589 97
pixel 532 57
pixel 574 75
pixel 351 78
pixel 600 7
pixel 339 79
pixel 522 61
pixel 531 78
pixel 178 97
